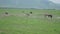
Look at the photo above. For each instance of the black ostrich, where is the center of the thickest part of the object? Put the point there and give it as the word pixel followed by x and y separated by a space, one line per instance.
pixel 6 13
pixel 30 12
pixel 48 15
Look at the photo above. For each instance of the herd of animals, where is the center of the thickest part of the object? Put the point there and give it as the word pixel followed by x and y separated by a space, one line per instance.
pixel 28 14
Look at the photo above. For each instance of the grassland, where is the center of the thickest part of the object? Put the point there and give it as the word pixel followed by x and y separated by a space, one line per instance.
pixel 17 23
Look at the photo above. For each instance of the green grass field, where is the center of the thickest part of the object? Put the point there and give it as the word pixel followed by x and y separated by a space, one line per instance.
pixel 17 23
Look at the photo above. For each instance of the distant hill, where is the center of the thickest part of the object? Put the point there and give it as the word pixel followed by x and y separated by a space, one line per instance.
pixel 38 4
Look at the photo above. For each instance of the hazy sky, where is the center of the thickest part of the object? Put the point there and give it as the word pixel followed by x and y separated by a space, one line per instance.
pixel 55 1
pixel 29 3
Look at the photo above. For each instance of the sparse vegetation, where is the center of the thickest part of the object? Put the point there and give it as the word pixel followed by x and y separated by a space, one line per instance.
pixel 17 23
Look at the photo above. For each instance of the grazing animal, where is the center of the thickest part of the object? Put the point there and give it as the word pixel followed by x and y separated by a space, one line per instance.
pixel 30 12
pixel 6 13
pixel 48 15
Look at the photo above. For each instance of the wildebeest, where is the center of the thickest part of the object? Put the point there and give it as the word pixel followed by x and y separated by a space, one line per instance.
pixel 48 15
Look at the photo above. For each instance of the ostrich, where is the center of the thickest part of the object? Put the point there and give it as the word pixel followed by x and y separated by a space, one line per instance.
pixel 48 15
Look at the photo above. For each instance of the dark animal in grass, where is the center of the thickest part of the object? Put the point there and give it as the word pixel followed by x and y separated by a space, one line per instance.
pixel 30 12
pixel 6 13
pixel 48 15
